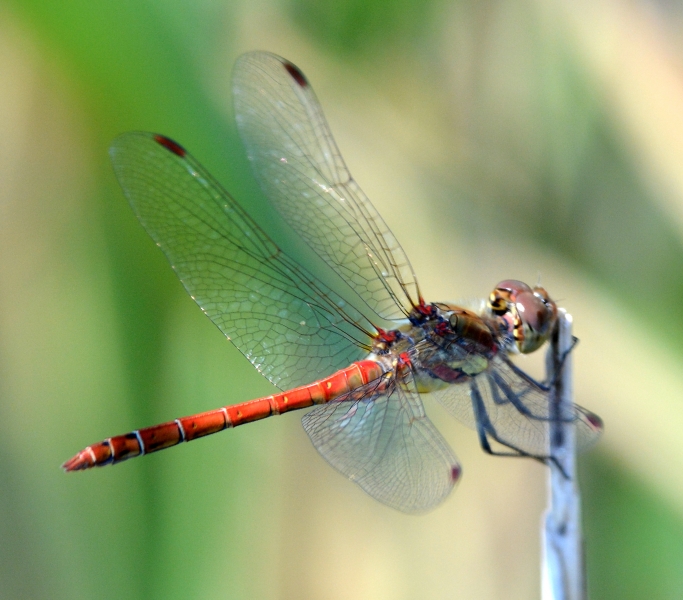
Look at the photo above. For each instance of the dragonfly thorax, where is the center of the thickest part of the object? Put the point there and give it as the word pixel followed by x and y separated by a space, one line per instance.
pixel 441 325
pixel 448 344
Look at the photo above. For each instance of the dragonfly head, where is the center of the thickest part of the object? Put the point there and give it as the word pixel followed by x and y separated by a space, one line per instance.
pixel 528 314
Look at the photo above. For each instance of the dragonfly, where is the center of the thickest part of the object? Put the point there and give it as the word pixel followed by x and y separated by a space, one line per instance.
pixel 363 358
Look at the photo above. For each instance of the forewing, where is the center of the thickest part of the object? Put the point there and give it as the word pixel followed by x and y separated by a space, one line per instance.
pixel 515 410
pixel 290 326
pixel 299 167
pixel 382 440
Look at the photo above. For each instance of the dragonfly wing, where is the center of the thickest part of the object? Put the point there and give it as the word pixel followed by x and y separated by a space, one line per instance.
pixel 290 326
pixel 514 411
pixel 301 170
pixel 382 440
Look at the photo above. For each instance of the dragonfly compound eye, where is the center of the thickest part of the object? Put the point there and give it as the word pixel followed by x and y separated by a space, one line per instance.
pixel 528 315
pixel 537 314
pixel 502 298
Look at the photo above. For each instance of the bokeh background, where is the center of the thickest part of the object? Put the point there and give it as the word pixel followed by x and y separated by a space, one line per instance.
pixel 499 139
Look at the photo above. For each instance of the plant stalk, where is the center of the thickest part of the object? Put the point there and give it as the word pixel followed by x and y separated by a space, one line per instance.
pixel 563 569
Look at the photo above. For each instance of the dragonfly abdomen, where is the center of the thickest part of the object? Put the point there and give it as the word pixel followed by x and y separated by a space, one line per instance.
pixel 150 439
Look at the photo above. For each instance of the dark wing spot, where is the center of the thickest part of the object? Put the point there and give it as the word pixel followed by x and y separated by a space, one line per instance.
pixel 595 421
pixel 169 144
pixel 297 75
pixel 456 471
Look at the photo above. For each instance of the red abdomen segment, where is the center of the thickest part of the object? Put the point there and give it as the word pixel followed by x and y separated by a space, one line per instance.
pixel 165 435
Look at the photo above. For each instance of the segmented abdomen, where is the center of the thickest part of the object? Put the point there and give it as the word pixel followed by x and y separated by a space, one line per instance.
pixel 185 429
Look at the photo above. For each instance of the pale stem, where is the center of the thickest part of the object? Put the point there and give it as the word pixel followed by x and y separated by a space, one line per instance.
pixel 563 576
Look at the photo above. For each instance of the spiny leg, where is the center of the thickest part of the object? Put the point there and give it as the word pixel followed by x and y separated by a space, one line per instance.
pixel 485 429
pixel 497 382
pixel 545 386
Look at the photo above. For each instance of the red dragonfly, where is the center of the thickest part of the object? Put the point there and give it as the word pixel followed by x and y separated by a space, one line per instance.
pixel 371 359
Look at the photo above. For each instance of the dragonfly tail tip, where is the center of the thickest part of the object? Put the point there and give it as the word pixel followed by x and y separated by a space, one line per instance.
pixel 79 462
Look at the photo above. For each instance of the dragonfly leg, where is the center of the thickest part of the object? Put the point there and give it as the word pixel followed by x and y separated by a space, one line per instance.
pixel 545 386
pixel 524 375
pixel 496 382
pixel 486 430
pixel 566 353
pixel 560 364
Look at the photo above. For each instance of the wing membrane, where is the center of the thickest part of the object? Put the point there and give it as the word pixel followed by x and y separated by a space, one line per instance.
pixel 290 326
pixel 383 441
pixel 300 168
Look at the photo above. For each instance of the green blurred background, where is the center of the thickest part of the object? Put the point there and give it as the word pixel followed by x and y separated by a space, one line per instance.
pixel 499 139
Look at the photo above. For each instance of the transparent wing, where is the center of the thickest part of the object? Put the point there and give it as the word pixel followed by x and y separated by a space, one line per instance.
pixel 514 411
pixel 299 167
pixel 382 440
pixel 290 326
